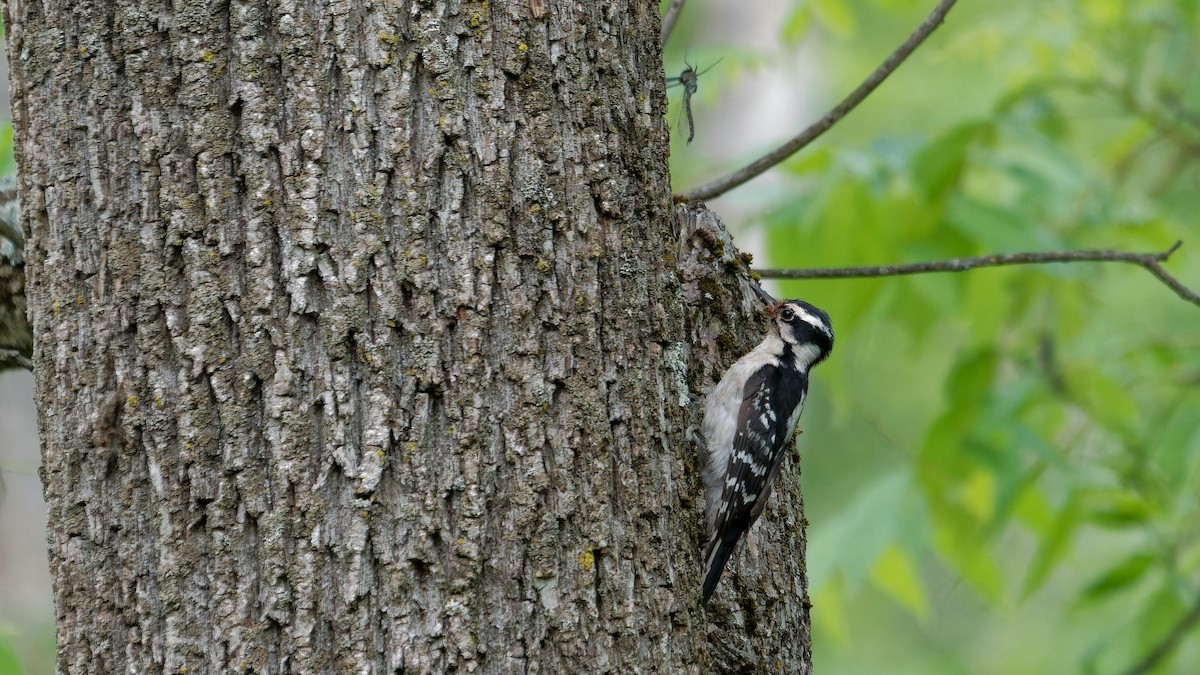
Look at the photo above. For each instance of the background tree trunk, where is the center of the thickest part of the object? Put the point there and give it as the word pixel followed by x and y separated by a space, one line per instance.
pixel 367 340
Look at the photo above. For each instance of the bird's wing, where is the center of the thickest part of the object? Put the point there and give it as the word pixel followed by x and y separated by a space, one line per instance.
pixel 763 429
pixel 753 447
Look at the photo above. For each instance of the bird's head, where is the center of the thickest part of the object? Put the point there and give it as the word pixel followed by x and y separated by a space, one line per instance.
pixel 803 326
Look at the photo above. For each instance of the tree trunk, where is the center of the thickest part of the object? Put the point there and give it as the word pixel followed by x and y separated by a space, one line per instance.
pixel 367 340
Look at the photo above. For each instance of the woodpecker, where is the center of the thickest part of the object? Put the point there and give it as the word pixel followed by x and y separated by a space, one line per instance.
pixel 750 417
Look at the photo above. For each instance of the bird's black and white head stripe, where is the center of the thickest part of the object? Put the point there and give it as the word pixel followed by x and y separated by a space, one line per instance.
pixel 803 328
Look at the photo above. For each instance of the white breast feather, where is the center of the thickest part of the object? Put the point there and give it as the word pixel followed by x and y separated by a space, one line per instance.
pixel 720 421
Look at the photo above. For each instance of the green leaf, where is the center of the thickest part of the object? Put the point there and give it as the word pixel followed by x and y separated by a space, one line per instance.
pixel 830 613
pixel 851 542
pixel 915 314
pixel 1104 12
pixel 1119 576
pixel 1189 556
pixel 1028 439
pixel 835 15
pixel 1160 614
pixel 977 495
pixel 813 160
pixel 1054 545
pixel 1032 509
pixel 1121 146
pixel 939 165
pixel 1042 113
pixel 973 376
pixel 895 5
pixel 1177 448
pixel 994 227
pixel 1118 508
pixel 962 546
pixel 797 24
pixel 989 291
pixel 1108 403
pixel 896 575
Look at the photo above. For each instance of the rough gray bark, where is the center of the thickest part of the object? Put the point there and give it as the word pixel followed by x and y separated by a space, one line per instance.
pixel 367 340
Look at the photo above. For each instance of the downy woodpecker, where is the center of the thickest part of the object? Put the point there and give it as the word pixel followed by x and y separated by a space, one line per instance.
pixel 749 419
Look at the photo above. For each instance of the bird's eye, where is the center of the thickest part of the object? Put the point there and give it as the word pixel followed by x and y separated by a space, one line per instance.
pixel 787 314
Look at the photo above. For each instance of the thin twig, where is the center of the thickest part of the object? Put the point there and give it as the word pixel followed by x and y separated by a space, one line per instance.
pixel 669 19
pixel 16 358
pixel 722 185
pixel 1168 643
pixel 1152 262
pixel 1173 283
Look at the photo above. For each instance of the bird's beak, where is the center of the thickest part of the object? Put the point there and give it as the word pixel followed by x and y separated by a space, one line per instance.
pixel 766 297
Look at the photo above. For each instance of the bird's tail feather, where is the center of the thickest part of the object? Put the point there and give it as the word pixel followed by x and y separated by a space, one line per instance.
pixel 718 556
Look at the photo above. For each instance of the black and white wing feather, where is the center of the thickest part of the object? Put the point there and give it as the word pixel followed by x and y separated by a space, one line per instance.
pixel 771 403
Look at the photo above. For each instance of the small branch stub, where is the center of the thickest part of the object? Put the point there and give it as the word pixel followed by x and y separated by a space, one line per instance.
pixel 14 358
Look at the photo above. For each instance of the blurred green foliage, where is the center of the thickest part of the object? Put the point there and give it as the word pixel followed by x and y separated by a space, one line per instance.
pixel 8 165
pixel 9 663
pixel 1002 467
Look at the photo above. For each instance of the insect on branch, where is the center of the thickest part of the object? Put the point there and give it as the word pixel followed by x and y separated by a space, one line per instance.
pixel 690 80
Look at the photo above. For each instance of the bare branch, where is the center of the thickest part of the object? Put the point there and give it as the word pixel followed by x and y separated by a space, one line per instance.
pixel 1174 284
pixel 11 358
pixel 727 183
pixel 1152 262
pixel 964 264
pixel 669 19
pixel 1186 623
